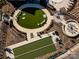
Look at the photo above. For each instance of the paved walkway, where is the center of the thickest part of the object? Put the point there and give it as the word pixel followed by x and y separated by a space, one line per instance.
pixel 60 4
pixel 28 31
pixel 69 52
pixel 69 27
pixel 24 43
pixel 53 37
pixel 25 30
pixel 10 55
pixel 27 42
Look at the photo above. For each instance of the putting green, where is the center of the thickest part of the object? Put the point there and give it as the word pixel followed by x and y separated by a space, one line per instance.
pixel 31 18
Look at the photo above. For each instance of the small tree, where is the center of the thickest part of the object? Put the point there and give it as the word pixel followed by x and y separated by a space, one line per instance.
pixel 8 9
pixel 2 2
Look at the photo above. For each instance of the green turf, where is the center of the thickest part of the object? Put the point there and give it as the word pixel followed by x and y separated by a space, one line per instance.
pixel 35 45
pixel 33 17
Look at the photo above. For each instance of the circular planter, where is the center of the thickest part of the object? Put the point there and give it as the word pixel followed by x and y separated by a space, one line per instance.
pixel 71 28
pixel 26 30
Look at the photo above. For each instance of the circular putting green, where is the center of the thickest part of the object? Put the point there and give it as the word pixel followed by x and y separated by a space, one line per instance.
pixel 31 18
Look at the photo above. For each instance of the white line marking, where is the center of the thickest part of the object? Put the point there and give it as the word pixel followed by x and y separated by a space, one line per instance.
pixel 33 50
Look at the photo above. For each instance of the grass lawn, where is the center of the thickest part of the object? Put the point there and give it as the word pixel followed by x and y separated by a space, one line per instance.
pixel 35 49
pixel 31 18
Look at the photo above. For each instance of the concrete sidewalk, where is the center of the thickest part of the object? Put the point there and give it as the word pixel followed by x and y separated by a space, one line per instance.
pixel 25 30
pixel 69 52
pixel 27 42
